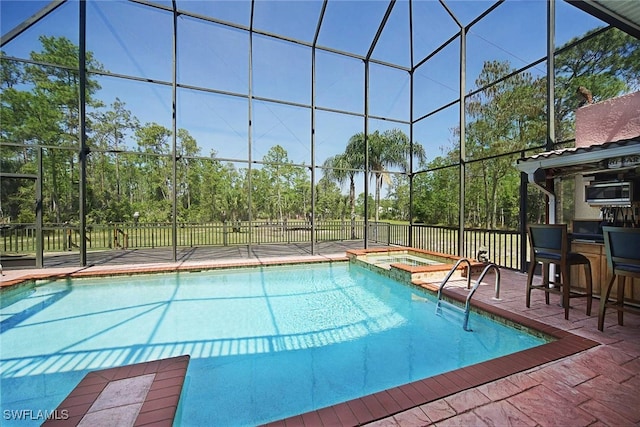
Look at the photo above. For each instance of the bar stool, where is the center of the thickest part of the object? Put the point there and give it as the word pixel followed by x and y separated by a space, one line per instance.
pixel 549 245
pixel 622 246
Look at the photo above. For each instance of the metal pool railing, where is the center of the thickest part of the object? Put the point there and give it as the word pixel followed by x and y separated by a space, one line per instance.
pixel 502 246
pixel 21 238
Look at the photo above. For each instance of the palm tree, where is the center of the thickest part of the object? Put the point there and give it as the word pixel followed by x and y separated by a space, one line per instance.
pixel 388 149
pixel 339 168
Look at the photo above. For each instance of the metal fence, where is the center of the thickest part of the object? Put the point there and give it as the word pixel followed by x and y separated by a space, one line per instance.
pixel 502 246
pixel 21 238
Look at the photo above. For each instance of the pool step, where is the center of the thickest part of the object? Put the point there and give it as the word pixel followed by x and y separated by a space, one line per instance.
pixel 126 396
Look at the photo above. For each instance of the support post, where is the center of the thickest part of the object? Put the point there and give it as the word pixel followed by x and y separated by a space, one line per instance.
pixel 82 133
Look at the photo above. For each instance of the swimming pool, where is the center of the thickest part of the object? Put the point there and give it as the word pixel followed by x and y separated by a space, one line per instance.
pixel 265 343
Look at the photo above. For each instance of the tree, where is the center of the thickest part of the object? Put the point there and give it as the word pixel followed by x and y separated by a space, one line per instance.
pixel 510 116
pixel 222 195
pixel 436 198
pixel 300 194
pixel 40 108
pixel 56 89
pixel 330 203
pixel 286 184
pixel 340 168
pixel 608 64
pixel 109 131
pixel 399 197
pixel 155 166
pixel 391 148
pixel 189 174
pixel 15 106
pixel 504 118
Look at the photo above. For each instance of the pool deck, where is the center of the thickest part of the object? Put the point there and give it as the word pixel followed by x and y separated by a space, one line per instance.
pixel 587 377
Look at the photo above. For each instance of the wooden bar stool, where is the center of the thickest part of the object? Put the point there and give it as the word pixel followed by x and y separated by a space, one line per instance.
pixel 549 245
pixel 622 246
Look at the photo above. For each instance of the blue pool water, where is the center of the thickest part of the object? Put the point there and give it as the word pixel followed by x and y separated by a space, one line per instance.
pixel 265 343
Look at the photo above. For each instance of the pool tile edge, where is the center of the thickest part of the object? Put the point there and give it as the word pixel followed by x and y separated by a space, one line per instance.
pixel 129 270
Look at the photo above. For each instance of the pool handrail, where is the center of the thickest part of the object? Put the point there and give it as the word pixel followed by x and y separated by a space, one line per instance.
pixel 444 282
pixel 467 306
pixel 453 269
pixel 495 267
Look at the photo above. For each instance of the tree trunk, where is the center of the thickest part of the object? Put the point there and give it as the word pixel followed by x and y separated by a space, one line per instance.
pixel 377 201
pixel 352 203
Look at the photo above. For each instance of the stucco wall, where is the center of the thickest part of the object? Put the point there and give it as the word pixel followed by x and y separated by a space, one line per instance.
pixel 611 120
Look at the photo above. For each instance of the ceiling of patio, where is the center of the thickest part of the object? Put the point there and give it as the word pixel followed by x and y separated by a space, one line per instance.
pixel 624 14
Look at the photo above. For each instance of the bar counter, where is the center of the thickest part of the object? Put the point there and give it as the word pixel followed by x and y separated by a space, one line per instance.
pixel 600 271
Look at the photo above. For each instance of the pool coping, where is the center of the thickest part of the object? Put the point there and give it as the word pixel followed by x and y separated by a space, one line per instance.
pixel 131 270
pixel 386 403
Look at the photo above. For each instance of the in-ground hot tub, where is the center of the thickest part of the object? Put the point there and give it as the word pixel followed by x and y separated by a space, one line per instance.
pixel 385 260
pixel 411 264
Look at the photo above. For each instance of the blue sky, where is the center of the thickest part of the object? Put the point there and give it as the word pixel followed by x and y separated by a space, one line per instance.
pixel 134 40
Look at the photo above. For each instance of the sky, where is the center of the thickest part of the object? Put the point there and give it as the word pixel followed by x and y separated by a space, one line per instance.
pixel 134 40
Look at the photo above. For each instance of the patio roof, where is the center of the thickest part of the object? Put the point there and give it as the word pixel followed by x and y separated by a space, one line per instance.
pixel 624 14
pixel 608 157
